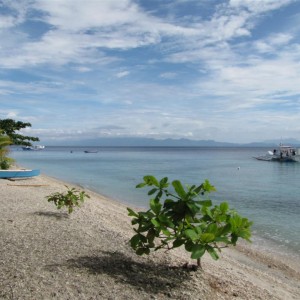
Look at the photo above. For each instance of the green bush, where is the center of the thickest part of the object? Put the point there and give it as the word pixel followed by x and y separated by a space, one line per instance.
pixel 70 199
pixel 4 165
pixel 181 218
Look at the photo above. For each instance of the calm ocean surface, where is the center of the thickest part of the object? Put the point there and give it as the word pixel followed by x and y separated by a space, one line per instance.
pixel 268 193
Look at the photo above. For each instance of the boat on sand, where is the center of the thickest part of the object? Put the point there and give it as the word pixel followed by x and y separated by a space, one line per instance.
pixel 19 173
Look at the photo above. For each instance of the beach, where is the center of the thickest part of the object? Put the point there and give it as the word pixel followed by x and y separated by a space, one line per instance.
pixel 48 254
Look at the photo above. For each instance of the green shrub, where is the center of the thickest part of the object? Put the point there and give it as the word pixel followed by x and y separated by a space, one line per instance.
pixel 70 199
pixel 5 163
pixel 182 218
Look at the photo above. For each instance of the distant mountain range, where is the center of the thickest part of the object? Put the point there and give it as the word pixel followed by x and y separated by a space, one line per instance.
pixel 149 142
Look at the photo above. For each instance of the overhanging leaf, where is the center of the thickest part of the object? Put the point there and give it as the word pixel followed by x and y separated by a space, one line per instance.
pixel 197 251
pixel 213 253
pixel 155 206
pixel 179 189
pixel 151 180
pixel 134 241
pixel 207 237
pixel 191 234
pixel 131 212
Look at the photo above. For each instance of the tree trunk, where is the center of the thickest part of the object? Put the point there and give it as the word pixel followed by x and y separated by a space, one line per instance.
pixel 199 263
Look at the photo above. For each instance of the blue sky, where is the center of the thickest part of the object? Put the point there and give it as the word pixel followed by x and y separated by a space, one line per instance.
pixel 197 69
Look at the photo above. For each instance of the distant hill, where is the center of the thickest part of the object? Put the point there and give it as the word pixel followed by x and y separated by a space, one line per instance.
pixel 272 143
pixel 142 142
pixel 149 142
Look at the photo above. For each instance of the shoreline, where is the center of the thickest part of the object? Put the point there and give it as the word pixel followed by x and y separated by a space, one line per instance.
pixel 259 244
pixel 46 254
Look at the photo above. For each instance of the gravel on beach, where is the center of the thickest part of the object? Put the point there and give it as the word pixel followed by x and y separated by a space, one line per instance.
pixel 47 254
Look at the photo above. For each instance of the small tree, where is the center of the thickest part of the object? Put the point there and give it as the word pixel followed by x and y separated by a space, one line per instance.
pixel 9 127
pixel 4 160
pixel 70 199
pixel 181 218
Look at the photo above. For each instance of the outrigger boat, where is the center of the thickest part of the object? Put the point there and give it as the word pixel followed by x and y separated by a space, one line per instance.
pixel 18 173
pixel 283 154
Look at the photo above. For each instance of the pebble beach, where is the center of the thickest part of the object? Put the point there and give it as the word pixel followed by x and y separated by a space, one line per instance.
pixel 48 254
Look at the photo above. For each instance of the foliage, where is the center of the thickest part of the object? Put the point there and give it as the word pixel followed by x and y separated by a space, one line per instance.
pixel 9 127
pixel 182 218
pixel 70 199
pixel 5 161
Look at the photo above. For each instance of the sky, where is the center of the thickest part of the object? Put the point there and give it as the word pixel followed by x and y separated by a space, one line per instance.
pixel 218 70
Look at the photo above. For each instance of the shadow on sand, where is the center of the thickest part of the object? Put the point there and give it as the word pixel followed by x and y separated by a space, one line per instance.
pixel 150 277
pixel 50 214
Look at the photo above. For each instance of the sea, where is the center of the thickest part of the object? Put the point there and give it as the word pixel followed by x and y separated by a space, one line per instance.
pixel 267 193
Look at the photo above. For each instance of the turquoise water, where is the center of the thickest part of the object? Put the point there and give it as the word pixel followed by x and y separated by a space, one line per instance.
pixel 268 193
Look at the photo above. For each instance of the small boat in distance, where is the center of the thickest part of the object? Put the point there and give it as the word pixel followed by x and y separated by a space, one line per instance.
pixel 33 148
pixel 283 154
pixel 90 151
pixel 19 173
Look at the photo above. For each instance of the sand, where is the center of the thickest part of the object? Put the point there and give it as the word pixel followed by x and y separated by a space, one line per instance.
pixel 47 254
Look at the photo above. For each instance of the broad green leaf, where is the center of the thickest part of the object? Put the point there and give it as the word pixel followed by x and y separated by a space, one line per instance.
pixel 166 231
pixel 213 253
pixel 207 237
pixel 224 207
pixel 164 183
pixel 189 246
pixel 140 185
pixel 151 180
pixel 208 187
pixel 164 219
pixel 155 223
pixel 197 251
pixel 131 212
pixel 178 243
pixel 222 240
pixel 198 229
pixel 158 196
pixel 179 189
pixel 207 211
pixel 134 241
pixel 205 203
pixel 191 234
pixel 193 207
pixel 198 189
pixel 155 206
pixel 225 230
pixel 212 228
pixel 151 192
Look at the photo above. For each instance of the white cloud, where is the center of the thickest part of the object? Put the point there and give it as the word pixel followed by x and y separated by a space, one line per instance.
pixel 8 114
pixel 122 74
pixel 92 14
pixel 168 75
pixel 213 65
pixel 259 6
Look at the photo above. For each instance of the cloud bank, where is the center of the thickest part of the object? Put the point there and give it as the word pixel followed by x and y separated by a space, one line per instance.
pixel 223 70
